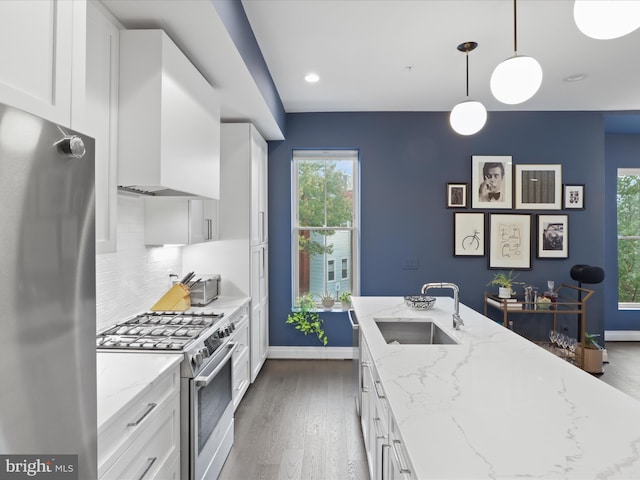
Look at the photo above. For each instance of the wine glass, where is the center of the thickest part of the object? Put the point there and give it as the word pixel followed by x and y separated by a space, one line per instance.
pixel 552 337
pixel 550 285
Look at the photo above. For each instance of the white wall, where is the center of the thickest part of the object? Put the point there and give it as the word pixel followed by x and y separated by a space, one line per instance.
pixel 136 276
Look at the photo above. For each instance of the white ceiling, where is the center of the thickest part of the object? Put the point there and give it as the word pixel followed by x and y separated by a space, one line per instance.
pixel 400 55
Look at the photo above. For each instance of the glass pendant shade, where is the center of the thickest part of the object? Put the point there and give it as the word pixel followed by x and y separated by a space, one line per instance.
pixel 606 19
pixel 516 79
pixel 468 117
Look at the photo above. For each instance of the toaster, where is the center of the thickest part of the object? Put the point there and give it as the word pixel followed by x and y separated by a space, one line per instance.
pixel 205 290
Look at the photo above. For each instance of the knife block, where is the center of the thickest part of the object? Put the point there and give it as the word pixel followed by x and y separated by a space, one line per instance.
pixel 178 298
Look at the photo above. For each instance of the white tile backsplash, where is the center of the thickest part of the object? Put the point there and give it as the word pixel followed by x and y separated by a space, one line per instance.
pixel 133 278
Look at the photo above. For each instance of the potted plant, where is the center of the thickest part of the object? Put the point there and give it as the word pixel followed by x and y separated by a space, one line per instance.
pixel 345 298
pixel 504 280
pixel 592 351
pixel 327 301
pixel 306 319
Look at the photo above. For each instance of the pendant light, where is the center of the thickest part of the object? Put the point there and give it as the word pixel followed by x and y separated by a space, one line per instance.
pixel 518 78
pixel 604 20
pixel 468 117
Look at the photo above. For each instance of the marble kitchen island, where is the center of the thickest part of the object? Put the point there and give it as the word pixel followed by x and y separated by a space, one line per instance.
pixel 497 405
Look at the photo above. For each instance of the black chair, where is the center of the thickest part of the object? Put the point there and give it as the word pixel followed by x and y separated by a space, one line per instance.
pixel 585 274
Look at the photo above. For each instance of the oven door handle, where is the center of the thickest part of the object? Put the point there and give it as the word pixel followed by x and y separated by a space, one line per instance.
pixel 203 381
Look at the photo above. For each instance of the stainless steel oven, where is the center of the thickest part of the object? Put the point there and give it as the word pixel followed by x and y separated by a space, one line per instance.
pixel 206 405
pixel 210 424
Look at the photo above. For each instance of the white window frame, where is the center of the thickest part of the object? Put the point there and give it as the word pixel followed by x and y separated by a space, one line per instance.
pixel 626 305
pixel 337 154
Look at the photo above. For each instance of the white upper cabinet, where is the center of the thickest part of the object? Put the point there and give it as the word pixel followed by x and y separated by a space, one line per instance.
pixel 37 55
pixel 100 119
pixel 169 119
pixel 179 221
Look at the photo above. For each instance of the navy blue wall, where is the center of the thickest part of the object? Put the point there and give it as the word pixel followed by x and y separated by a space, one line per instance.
pixel 621 151
pixel 406 161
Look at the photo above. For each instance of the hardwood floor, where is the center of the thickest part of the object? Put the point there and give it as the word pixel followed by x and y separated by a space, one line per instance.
pixel 622 371
pixel 298 421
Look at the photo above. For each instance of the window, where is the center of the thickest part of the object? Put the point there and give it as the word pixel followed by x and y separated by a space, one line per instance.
pixel 325 222
pixel 628 206
pixel 331 270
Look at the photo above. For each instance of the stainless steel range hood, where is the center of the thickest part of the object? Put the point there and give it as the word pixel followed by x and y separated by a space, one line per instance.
pixel 150 191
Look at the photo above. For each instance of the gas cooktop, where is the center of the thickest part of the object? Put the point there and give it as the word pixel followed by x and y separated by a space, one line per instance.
pixel 157 331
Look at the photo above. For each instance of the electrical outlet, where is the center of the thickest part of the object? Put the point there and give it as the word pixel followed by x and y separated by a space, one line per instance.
pixel 410 263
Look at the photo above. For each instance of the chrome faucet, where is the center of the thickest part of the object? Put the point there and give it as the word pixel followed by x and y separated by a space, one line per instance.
pixel 457 320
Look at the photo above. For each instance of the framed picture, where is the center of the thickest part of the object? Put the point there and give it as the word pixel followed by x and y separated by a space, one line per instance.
pixel 468 234
pixel 491 182
pixel 457 195
pixel 573 197
pixel 510 241
pixel 553 236
pixel 538 187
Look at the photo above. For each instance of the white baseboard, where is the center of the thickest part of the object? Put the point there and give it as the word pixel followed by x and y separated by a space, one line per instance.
pixel 312 353
pixel 622 335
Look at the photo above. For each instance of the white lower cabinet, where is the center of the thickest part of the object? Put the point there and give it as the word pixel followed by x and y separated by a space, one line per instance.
pixel 241 369
pixel 386 455
pixel 142 440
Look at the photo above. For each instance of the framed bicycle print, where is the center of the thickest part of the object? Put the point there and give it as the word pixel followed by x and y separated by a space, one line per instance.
pixel 468 234
pixel 538 187
pixel 457 195
pixel 510 241
pixel 553 236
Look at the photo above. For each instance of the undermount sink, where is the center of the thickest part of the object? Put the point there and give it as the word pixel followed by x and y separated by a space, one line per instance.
pixel 413 332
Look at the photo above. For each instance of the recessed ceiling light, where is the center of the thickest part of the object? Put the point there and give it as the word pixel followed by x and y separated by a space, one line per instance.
pixel 575 78
pixel 311 77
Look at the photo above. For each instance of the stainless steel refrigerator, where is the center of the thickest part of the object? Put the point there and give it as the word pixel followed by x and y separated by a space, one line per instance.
pixel 47 297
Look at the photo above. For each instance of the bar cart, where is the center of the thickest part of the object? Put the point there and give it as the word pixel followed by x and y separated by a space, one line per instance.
pixel 565 305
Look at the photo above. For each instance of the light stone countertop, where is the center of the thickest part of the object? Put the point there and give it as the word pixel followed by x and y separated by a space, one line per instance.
pixel 497 406
pixel 122 375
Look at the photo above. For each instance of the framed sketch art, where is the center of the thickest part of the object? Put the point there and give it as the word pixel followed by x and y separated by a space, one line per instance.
pixel 510 241
pixel 538 187
pixel 573 196
pixel 457 195
pixel 468 234
pixel 491 182
pixel 553 236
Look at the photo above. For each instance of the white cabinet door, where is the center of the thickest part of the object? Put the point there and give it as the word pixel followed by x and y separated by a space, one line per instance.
pixel 179 221
pixel 36 57
pixel 258 188
pixel 259 309
pixel 101 120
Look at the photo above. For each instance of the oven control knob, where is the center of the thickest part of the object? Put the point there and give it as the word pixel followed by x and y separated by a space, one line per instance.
pixel 233 326
pixel 197 358
pixel 205 352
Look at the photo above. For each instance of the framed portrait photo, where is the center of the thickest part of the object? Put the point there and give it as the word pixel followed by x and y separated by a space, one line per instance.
pixel 510 241
pixel 468 234
pixel 573 197
pixel 538 187
pixel 457 195
pixel 491 182
pixel 553 236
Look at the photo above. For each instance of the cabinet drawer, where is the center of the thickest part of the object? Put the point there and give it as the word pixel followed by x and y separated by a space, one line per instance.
pixel 129 423
pixel 154 451
pixel 241 377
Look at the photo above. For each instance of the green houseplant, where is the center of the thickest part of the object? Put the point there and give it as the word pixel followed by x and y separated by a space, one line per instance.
pixel 327 301
pixel 305 318
pixel 345 298
pixel 505 282
pixel 592 352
